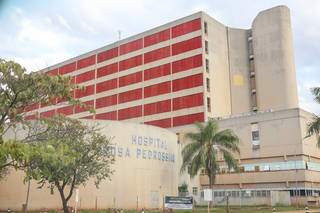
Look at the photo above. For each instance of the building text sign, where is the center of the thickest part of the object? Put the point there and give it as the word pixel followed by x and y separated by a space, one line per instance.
pixel 145 148
pixel 171 202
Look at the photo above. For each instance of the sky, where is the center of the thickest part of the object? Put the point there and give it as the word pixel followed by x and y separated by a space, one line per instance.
pixel 38 34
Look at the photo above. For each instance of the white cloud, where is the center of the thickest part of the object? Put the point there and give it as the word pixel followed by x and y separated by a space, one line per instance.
pixel 41 38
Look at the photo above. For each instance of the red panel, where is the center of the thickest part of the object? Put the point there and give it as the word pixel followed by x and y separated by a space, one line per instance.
pixel 68 110
pixel 187 82
pixel 156 72
pixel 130 95
pixel 53 101
pixel 188 119
pixel 87 76
pixel 88 90
pixel 53 72
pixel 87 117
pixel 106 101
pixel 130 79
pixel 67 68
pixel 157 89
pixel 107 70
pixel 156 38
pixel 185 46
pixel 157 54
pixel 157 107
pixel 85 62
pixel 187 101
pixel 130 62
pixel 48 113
pixel 107 85
pixel 186 27
pixel 164 123
pixel 30 117
pixel 131 112
pixel 31 107
pixel 187 63
pixel 107 116
pixel 108 54
pixel 131 46
pixel 87 106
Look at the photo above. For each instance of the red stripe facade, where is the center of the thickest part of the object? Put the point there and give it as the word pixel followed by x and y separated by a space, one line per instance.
pixel 106 71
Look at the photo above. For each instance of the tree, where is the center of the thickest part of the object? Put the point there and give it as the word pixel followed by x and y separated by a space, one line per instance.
pixel 314 125
pixel 202 152
pixel 67 154
pixel 18 90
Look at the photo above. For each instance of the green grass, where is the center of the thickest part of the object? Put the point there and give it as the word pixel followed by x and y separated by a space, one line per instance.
pixel 233 209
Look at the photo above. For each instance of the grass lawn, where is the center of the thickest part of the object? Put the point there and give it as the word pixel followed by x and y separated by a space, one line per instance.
pixel 233 209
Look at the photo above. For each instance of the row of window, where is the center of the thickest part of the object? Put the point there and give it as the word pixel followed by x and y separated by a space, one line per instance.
pixel 257 193
pixel 206 48
pixel 274 166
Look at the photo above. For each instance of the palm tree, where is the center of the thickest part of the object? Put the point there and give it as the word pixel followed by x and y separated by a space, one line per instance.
pixel 314 126
pixel 202 151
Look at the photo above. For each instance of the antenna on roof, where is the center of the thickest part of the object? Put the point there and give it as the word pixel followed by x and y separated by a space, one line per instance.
pixel 119 35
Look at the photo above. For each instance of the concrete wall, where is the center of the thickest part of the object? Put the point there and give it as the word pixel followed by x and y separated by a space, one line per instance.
pixel 219 68
pixel 274 60
pixel 239 71
pixel 136 175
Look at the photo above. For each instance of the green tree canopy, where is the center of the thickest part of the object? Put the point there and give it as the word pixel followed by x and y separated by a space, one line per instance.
pixel 202 152
pixel 68 154
pixel 18 90
pixel 314 125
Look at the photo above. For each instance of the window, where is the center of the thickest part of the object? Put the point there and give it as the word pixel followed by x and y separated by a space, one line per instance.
pixel 195 191
pixel 207 65
pixel 208 84
pixel 206 47
pixel 208 104
pixel 255 136
pixel 205 27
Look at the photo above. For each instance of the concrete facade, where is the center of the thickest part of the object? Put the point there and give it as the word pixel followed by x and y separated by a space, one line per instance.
pixel 195 69
pixel 145 171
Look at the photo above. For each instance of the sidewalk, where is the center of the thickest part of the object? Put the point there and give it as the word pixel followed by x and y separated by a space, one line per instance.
pixel 303 211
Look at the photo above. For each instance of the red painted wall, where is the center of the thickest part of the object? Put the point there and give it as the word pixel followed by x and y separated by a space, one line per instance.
pixel 164 123
pixel 107 116
pixel 157 54
pixel 67 68
pixel 130 79
pixel 188 119
pixel 188 45
pixel 131 46
pixel 157 38
pixel 187 82
pixel 68 110
pixel 130 62
pixel 85 62
pixel 157 72
pixel 87 76
pixel 131 95
pixel 157 107
pixel 106 85
pixel 107 70
pixel 157 89
pixel 131 112
pixel 106 101
pixel 187 101
pixel 187 63
pixel 186 27
pixel 108 54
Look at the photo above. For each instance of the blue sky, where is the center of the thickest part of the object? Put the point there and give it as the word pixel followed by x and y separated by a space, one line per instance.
pixel 38 34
